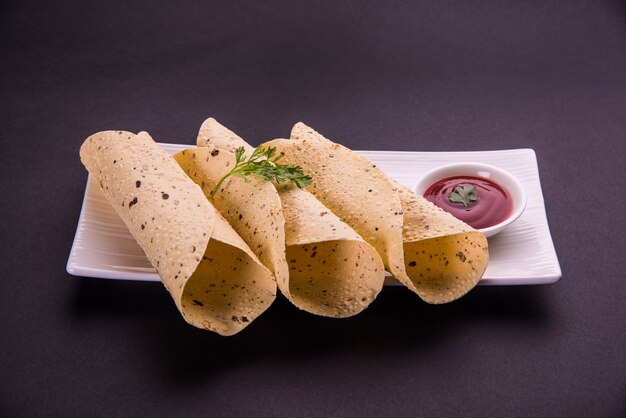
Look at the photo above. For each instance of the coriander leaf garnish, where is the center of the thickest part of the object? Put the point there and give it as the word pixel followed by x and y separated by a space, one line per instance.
pixel 263 163
pixel 463 194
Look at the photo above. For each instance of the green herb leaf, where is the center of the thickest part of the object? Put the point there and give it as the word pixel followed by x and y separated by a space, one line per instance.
pixel 463 194
pixel 263 164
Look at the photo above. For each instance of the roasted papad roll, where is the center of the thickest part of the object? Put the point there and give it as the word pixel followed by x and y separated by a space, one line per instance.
pixel 216 281
pixel 326 269
pixel 425 248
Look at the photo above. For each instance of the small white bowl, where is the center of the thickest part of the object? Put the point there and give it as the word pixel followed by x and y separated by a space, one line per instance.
pixel 491 172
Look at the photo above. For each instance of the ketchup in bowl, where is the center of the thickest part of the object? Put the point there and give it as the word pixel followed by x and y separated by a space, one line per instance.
pixel 477 201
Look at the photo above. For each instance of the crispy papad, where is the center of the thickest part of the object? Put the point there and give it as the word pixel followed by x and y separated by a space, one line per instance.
pixel 252 207
pixel 444 257
pixel 425 248
pixel 332 271
pixel 215 279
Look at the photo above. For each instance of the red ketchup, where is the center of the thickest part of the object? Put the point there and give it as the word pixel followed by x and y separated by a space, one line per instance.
pixel 489 205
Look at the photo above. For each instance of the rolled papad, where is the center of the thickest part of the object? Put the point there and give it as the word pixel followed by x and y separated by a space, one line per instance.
pixel 425 248
pixel 332 271
pixel 215 279
pixel 252 207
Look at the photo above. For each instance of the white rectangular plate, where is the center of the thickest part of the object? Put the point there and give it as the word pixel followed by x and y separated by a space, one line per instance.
pixel 521 254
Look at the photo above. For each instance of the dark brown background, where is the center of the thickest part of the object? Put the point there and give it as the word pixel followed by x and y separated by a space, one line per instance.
pixel 388 75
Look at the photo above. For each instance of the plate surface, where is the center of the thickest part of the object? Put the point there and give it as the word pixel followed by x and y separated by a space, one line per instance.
pixel 521 254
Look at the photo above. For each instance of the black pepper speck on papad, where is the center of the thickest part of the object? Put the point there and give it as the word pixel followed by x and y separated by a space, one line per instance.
pixel 215 279
pixel 417 241
pixel 332 271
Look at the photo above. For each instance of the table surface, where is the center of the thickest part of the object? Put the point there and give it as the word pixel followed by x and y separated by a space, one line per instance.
pixel 436 76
